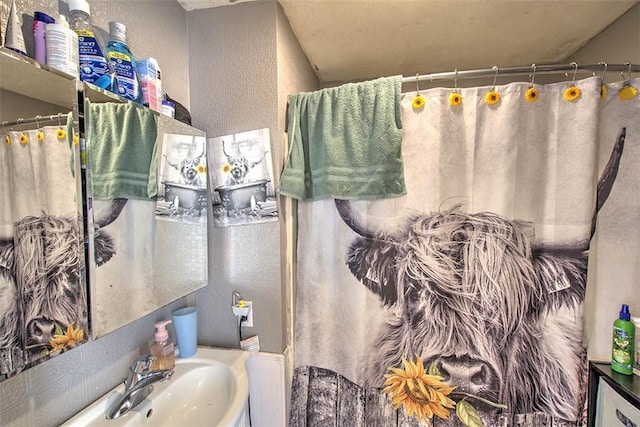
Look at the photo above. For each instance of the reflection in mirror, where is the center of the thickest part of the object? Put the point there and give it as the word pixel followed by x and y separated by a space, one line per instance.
pixel 43 305
pixel 43 300
pixel 149 253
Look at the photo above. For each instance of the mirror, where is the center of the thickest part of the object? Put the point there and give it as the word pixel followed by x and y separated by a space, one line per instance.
pixel 43 293
pixel 145 254
pixel 158 248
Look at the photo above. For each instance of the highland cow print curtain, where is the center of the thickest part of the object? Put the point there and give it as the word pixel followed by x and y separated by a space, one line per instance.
pixel 43 304
pixel 464 302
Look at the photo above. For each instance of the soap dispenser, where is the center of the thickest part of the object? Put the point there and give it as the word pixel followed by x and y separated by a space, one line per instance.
pixel 162 348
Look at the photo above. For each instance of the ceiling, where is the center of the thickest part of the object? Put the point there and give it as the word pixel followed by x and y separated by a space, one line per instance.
pixel 351 40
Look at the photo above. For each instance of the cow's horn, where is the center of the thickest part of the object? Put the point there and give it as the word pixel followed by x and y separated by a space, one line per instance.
pixel 352 218
pixel 109 215
pixel 608 176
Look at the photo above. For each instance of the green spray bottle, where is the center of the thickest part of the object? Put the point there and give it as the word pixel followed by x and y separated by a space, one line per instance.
pixel 623 345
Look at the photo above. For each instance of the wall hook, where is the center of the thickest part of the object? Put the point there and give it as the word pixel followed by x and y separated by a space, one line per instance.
pixel 235 298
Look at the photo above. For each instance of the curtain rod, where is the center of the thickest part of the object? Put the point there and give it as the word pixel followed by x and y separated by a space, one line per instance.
pixel 36 119
pixel 531 69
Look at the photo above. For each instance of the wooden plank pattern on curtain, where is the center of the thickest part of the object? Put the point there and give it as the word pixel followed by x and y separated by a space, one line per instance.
pixel 322 397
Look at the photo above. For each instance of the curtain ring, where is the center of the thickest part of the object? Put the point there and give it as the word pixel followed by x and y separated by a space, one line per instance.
pixel 495 76
pixel 60 120
pixel 533 74
pixel 417 84
pixel 575 70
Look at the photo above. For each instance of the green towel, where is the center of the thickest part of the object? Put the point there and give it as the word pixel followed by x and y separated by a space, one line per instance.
pixel 121 151
pixel 344 142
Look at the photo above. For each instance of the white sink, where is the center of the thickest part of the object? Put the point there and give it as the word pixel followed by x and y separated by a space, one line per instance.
pixel 210 388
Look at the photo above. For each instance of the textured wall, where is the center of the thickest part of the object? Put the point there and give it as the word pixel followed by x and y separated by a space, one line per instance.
pixel 234 89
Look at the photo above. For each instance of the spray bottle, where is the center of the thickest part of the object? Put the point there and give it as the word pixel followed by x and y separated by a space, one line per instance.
pixel 622 348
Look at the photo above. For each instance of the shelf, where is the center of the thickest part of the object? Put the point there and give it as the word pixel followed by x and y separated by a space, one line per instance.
pixel 24 76
pixel 627 386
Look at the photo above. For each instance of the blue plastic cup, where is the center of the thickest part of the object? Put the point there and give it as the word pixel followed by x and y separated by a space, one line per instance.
pixel 185 322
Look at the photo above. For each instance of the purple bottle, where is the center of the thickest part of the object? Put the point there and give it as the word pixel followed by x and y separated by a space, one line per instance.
pixel 40 21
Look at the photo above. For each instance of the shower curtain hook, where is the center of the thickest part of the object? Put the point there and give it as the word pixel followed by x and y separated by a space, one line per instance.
pixel 455 81
pixel 533 74
pixel 628 76
pixel 495 76
pixel 604 71
pixel 40 134
pixel 575 70
pixel 417 84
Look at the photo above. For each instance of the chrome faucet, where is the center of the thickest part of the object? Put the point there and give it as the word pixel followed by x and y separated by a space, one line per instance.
pixel 138 385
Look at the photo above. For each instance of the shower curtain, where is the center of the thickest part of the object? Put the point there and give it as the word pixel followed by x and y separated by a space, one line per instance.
pixel 43 303
pixel 462 302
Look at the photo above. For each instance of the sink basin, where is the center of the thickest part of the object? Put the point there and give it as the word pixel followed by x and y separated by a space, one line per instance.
pixel 210 388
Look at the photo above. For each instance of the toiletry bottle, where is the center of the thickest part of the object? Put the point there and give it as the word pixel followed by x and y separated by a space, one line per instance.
pixel 40 21
pixel 149 77
pixel 162 348
pixel 622 348
pixel 124 63
pixel 94 65
pixel 13 37
pixel 62 47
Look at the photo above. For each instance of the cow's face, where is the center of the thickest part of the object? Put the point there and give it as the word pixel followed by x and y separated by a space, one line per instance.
pixel 238 169
pixel 42 286
pixel 471 294
pixel 49 274
pixel 465 285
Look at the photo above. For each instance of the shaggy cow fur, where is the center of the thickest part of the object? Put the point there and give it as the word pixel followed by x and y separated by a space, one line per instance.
pixel 475 295
pixel 42 285
pixel 469 293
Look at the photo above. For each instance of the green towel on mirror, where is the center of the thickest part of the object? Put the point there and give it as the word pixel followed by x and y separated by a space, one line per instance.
pixel 344 142
pixel 121 151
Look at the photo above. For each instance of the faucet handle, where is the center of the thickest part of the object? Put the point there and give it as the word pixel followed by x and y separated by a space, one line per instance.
pixel 142 364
